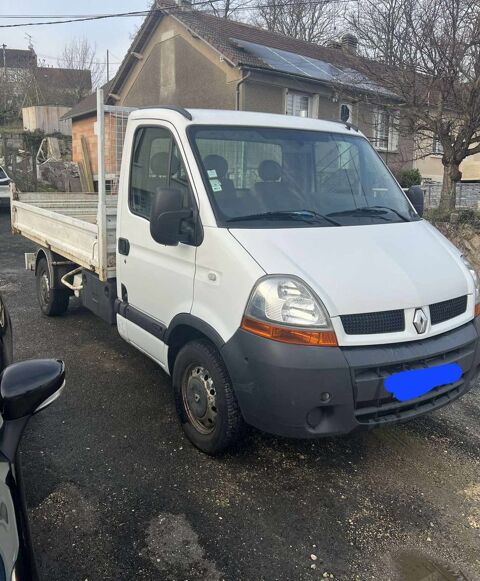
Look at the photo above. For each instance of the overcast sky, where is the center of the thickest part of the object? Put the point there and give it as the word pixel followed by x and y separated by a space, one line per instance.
pixel 48 40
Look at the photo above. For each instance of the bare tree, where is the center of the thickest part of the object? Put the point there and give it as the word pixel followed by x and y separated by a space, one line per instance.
pixel 312 21
pixel 80 55
pixel 430 57
pixel 381 28
pixel 17 89
pixel 233 9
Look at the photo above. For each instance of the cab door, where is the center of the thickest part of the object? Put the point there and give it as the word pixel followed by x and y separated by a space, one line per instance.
pixel 155 282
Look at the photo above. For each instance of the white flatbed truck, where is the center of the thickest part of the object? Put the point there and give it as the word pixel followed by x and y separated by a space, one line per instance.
pixel 272 265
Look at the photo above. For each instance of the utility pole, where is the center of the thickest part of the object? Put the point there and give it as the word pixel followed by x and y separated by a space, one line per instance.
pixel 108 65
pixel 5 89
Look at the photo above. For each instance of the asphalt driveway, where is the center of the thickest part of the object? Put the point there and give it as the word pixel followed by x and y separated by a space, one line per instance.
pixel 115 491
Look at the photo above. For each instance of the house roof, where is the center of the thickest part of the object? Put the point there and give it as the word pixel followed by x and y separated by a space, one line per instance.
pixel 18 58
pixel 88 105
pixel 64 78
pixel 238 43
pixel 222 35
pixel 58 86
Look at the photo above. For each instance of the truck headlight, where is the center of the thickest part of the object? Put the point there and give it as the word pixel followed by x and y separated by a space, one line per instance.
pixel 476 281
pixel 284 309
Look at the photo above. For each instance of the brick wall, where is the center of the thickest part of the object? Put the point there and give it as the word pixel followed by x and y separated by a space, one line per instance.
pixel 86 127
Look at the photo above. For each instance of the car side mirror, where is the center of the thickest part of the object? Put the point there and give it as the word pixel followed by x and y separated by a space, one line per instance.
pixel 416 196
pixel 26 388
pixel 170 222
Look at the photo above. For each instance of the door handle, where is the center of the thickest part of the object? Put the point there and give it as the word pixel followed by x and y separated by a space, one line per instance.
pixel 123 246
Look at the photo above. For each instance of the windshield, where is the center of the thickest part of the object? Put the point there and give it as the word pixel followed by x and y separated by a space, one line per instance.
pixel 271 177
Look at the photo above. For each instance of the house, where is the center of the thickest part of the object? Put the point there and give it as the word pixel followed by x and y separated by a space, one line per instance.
pixel 430 164
pixel 23 83
pixel 193 59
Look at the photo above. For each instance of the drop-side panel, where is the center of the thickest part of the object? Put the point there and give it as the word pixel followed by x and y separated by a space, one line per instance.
pixel 66 224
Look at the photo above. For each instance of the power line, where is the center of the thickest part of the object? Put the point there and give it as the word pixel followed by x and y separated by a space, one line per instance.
pixel 83 18
pixel 99 16
pixel 61 59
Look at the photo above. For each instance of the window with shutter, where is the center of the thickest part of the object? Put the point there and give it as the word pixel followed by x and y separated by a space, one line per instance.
pixel 298 104
pixel 437 148
pixel 385 135
pixel 346 112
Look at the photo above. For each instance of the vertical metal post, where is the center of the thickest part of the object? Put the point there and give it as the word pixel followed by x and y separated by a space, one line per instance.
pixel 102 202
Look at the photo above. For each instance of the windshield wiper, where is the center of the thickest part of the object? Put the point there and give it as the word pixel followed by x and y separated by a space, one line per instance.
pixel 374 211
pixel 404 218
pixel 308 216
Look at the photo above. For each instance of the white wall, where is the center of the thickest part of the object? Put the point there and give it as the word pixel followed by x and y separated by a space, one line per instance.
pixel 46 118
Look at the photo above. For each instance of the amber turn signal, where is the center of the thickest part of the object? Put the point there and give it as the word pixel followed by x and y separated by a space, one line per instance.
pixel 289 334
pixel 477 310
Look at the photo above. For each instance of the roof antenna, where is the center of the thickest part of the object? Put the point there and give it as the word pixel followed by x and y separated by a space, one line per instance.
pixel 29 37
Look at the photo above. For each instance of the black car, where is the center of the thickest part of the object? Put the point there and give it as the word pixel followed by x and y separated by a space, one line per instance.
pixel 6 344
pixel 25 388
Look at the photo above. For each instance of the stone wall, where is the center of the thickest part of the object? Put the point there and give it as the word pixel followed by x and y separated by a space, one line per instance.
pixel 466 238
pixel 468 195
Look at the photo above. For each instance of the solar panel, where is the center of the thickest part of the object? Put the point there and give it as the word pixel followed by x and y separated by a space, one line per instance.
pixel 290 62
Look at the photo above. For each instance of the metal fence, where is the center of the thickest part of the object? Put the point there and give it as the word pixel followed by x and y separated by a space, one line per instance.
pixel 115 127
pixel 467 195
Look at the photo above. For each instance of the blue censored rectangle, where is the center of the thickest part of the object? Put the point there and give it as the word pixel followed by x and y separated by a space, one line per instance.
pixel 411 384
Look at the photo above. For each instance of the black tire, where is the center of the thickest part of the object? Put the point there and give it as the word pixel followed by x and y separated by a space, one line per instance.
pixel 200 370
pixel 52 301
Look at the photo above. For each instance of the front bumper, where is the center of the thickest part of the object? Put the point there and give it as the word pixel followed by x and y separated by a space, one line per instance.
pixel 300 391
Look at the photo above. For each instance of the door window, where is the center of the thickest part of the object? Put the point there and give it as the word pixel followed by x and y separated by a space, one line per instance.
pixel 156 164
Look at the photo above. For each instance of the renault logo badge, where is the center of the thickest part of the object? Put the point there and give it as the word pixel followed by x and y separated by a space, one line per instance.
pixel 420 321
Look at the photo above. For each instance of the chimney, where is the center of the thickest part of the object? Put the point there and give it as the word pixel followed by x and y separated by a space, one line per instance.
pixel 183 4
pixel 349 43
pixel 334 44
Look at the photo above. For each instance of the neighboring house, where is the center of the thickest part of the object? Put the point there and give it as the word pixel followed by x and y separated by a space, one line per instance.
pixel 429 163
pixel 23 83
pixel 192 59
pixel 14 63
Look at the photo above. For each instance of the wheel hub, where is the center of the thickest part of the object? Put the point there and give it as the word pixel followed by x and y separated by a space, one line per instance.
pixel 45 287
pixel 199 397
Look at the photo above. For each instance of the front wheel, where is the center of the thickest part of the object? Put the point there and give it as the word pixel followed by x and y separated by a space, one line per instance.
pixel 52 301
pixel 206 404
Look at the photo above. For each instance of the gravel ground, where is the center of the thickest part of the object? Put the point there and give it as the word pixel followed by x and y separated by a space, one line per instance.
pixel 116 492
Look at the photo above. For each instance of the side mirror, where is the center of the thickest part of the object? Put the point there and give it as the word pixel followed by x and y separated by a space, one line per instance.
pixel 28 387
pixel 170 222
pixel 416 196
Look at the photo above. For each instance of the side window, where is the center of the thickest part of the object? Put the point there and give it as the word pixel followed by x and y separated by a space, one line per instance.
pixel 156 163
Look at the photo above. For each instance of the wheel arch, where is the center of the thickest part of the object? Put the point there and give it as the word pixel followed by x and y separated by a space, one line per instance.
pixel 184 328
pixel 55 271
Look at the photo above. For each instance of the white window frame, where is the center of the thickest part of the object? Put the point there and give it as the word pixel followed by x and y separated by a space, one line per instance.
pixel 298 95
pixel 350 109
pixel 392 130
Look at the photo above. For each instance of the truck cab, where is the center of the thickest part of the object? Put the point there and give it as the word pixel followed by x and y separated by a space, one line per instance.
pixel 274 267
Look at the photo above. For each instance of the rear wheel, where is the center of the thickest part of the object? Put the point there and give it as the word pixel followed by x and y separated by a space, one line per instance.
pixel 52 301
pixel 206 403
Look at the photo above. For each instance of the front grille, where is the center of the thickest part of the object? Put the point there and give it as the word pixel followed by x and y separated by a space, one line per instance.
pixel 397 410
pixel 440 312
pixel 372 323
pixel 374 405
